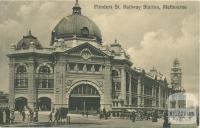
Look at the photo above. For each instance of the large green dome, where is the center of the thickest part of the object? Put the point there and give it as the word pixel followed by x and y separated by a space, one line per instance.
pixel 76 25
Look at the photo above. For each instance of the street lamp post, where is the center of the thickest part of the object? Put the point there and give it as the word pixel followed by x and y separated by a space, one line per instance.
pixel 62 77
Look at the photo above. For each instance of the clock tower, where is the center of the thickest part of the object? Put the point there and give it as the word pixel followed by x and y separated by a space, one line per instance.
pixel 176 75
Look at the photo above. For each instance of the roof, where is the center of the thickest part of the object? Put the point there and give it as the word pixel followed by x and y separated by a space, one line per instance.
pixel 76 25
pixel 27 40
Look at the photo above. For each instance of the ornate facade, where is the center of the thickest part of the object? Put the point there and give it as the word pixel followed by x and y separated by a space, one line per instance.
pixel 77 71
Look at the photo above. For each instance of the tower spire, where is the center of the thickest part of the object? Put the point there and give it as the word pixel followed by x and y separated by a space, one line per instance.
pixel 29 32
pixel 76 8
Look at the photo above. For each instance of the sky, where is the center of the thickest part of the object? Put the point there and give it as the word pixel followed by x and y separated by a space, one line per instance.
pixel 153 38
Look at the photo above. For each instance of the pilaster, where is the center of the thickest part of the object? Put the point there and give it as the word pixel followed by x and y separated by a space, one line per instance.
pixel 139 92
pixel 130 90
pixel 159 96
pixel 59 87
pixel 123 85
pixel 11 83
pixel 107 87
pixel 32 93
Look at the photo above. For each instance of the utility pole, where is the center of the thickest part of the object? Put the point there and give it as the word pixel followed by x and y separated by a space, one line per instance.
pixel 62 77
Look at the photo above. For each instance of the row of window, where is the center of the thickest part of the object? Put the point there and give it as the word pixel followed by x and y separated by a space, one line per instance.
pixel 42 70
pixel 45 83
pixel 147 102
pixel 84 67
pixel 148 90
pixel 116 86
pixel 42 83
pixel 21 83
pixel 85 89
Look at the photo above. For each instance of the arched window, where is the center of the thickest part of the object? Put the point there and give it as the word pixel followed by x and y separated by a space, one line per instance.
pixel 21 69
pixel 85 89
pixel 21 79
pixel 44 70
pixel 115 73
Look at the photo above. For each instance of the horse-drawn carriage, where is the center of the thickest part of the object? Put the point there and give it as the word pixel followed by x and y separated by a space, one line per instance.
pixel 61 115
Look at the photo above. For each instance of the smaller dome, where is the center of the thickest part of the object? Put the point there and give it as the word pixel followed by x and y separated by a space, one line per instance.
pixel 28 40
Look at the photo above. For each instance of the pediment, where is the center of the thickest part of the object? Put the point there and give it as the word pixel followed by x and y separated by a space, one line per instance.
pixel 86 50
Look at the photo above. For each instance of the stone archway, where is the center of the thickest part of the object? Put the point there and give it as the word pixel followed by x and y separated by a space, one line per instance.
pixel 20 103
pixel 84 96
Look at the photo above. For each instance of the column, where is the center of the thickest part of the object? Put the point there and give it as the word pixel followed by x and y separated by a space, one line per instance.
pixel 107 87
pixel 153 96
pixel 165 100
pixel 84 68
pixel 159 96
pixel 123 85
pixel 139 92
pixel 130 90
pixel 32 93
pixel 142 94
pixel 11 84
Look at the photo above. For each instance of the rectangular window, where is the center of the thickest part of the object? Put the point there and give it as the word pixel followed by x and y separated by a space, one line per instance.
pixel 97 68
pixel 71 66
pixel 89 67
pixel 51 83
pixel 80 67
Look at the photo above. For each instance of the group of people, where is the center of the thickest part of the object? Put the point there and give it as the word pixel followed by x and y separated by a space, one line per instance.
pixel 6 115
pixel 29 115
pixel 58 116
pixel 104 114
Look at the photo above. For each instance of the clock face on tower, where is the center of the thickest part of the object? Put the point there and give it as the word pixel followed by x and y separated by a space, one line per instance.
pixel 86 54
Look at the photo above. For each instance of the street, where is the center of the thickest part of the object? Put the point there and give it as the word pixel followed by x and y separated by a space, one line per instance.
pixel 79 121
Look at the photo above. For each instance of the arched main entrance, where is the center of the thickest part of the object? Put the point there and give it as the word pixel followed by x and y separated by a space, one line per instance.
pixel 20 103
pixel 84 97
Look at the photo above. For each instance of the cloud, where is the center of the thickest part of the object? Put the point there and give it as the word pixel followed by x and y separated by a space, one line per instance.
pixel 159 48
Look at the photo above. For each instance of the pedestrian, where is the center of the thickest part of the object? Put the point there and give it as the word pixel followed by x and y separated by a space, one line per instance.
pixel 133 116
pixel 50 116
pixel 30 114
pixel 34 116
pixel 7 111
pixel 166 123
pixel 23 115
pixel 87 114
pixel 155 117
pixel 1 116
pixel 56 116
pixel 12 117
pixel 100 115
pixel 198 119
pixel 83 113
pixel 104 113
